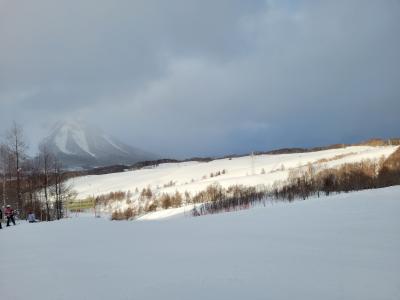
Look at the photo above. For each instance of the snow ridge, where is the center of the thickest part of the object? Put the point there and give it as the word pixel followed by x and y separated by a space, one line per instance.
pixel 80 138
pixel 108 139
pixel 61 140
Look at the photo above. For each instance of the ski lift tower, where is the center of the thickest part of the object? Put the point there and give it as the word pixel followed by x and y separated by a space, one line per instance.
pixel 252 163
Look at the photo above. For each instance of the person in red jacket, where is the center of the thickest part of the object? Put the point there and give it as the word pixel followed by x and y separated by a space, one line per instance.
pixel 9 212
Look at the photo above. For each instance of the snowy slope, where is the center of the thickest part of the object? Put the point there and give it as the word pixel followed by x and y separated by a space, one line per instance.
pixel 79 145
pixel 183 211
pixel 341 247
pixel 189 176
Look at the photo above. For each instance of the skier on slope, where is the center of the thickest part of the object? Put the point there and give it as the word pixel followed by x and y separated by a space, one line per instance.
pixel 9 212
pixel 31 217
pixel 1 217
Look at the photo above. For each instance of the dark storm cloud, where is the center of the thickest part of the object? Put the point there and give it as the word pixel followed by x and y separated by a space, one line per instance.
pixel 204 77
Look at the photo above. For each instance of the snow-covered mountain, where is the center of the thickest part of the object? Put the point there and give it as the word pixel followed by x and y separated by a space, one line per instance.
pixel 79 145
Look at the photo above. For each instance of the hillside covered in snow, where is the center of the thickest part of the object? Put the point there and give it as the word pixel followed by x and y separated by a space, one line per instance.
pixel 341 247
pixel 193 176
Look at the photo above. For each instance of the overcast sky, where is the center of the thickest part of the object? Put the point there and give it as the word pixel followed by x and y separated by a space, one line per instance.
pixel 206 77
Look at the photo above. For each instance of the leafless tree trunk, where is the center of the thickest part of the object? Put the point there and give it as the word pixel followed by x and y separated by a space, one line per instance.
pixel 46 159
pixel 18 147
pixel 3 163
pixel 61 190
pixel 57 188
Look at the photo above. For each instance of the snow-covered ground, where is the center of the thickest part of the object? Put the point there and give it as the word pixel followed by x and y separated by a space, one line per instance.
pixel 340 247
pixel 186 210
pixel 195 176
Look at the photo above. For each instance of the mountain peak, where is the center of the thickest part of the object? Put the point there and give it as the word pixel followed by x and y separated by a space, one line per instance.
pixel 80 145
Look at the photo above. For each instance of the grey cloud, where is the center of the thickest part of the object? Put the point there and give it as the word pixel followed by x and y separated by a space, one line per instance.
pixel 186 78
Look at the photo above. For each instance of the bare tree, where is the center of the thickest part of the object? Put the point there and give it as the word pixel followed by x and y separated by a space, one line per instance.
pixel 4 153
pixel 17 145
pixel 33 183
pixel 60 189
pixel 46 161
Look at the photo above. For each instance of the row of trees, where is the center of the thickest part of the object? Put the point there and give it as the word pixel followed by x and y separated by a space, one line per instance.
pixel 35 183
pixel 147 202
pixel 303 183
pixel 214 194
